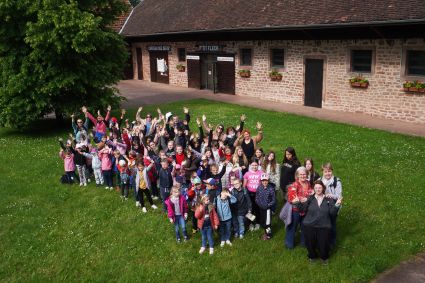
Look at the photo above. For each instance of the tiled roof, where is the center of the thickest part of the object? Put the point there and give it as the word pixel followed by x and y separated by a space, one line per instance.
pixel 118 24
pixel 174 16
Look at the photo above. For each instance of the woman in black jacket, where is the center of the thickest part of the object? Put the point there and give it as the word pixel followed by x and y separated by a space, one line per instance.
pixel 289 166
pixel 317 221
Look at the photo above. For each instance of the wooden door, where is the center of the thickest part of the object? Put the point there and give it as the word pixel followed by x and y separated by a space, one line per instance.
pixel 313 82
pixel 139 64
pixel 225 74
pixel 193 71
pixel 157 75
pixel 128 70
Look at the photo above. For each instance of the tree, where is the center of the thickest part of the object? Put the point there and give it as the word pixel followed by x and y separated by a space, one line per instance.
pixel 134 3
pixel 56 55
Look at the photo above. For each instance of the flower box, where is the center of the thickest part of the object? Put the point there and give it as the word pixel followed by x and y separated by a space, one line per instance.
pixel 275 76
pixel 180 68
pixel 359 82
pixel 415 86
pixel 244 73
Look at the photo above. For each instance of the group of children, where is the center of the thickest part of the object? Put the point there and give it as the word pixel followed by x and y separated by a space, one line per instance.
pixel 218 177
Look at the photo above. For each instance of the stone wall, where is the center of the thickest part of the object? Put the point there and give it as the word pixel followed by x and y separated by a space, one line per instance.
pixel 383 98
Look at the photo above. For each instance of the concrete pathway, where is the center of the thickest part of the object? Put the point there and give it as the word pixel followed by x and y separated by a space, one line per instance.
pixel 411 271
pixel 143 93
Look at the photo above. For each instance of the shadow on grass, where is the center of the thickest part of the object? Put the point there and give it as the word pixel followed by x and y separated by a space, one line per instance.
pixel 43 127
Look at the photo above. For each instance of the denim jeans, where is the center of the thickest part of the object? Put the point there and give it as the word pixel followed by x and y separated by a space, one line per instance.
pixel 239 224
pixel 179 222
pixel 207 233
pixel 225 229
pixel 165 193
pixel 291 230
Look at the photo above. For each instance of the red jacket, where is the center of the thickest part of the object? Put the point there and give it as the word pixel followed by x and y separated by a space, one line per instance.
pixel 296 189
pixel 171 210
pixel 200 213
pixel 180 158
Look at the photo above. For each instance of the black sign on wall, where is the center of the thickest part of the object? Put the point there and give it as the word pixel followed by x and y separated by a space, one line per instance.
pixel 159 48
pixel 210 48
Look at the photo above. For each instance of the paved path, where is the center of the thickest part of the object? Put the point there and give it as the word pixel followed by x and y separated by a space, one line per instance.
pixel 411 271
pixel 143 93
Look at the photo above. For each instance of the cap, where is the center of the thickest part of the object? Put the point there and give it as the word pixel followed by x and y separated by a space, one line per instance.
pixel 168 115
pixel 264 177
pixel 114 120
pixel 210 181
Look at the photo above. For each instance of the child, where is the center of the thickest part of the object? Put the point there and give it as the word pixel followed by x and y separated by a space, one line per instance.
pixel 69 166
pixel 211 190
pixel 241 208
pixel 165 181
pixel 104 153
pixel 225 215
pixel 96 165
pixel 265 199
pixel 195 194
pixel 143 185
pixel 177 212
pixel 207 221
pixel 333 190
pixel 124 177
pixel 251 180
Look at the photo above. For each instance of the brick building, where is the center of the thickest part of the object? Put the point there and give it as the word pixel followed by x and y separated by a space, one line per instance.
pixel 314 47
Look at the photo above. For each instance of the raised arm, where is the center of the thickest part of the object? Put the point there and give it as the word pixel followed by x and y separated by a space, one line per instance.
pixel 88 115
pixel 259 137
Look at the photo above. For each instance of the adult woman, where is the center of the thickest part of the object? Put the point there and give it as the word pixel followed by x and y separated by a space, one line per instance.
pixel 272 168
pixel 317 221
pixel 249 143
pixel 312 175
pixel 297 191
pixel 287 172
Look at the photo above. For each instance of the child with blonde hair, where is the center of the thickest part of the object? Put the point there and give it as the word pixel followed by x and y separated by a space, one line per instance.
pixel 207 222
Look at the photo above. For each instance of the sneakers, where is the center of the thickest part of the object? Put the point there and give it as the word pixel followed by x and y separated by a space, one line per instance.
pixel 325 262
pixel 85 184
pixel 155 198
pixel 178 240
pixel 229 243
pixel 185 238
pixel 265 237
pixel 106 188
pixel 236 235
pixel 138 204
pixel 241 236
pixel 88 180
pixel 110 188
pixel 257 227
pixel 126 198
pixel 211 251
pixel 194 231
pixel 144 209
pixel 81 184
pixel 222 243
pixel 311 260
pixel 251 227
pixel 202 250
pixel 154 206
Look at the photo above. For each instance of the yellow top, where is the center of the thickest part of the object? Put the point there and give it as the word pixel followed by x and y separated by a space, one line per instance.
pixel 142 183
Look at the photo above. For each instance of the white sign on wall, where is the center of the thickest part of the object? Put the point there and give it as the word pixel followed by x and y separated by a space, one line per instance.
pixel 192 57
pixel 226 59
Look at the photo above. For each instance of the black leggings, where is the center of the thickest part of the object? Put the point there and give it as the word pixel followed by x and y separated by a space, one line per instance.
pixel 317 239
pixel 255 208
pixel 124 190
pixel 146 192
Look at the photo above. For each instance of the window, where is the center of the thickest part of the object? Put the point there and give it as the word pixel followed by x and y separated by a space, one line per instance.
pixel 361 61
pixel 246 57
pixel 415 60
pixel 181 53
pixel 277 58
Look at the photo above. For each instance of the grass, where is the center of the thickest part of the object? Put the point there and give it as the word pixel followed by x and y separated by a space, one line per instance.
pixel 53 232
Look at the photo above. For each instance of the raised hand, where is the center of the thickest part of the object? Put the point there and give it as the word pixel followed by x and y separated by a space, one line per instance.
pixel 140 109
pixel 109 108
pixel 158 110
pixel 198 121
pixel 204 118
pixel 243 117
pixel 259 126
pixel 123 111
pixel 185 110
pixel 84 109
pixel 72 116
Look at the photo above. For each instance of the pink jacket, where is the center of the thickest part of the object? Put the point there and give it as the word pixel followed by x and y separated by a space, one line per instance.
pixel 100 127
pixel 105 158
pixel 69 164
pixel 170 207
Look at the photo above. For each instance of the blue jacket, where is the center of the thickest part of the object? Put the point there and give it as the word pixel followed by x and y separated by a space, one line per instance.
pixel 265 197
pixel 223 207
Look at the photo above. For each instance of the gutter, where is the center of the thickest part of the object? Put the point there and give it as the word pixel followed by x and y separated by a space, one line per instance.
pixel 286 28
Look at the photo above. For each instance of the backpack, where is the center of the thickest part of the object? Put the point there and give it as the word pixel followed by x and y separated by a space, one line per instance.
pixel 335 182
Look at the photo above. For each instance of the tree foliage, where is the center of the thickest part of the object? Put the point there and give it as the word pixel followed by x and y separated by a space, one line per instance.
pixel 56 55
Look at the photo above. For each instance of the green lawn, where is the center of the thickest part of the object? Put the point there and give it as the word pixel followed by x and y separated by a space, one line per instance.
pixel 54 232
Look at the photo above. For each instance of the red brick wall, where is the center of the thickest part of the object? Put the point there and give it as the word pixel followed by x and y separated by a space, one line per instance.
pixel 121 19
pixel 383 98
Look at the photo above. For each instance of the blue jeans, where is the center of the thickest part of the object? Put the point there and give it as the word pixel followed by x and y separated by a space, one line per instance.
pixel 207 233
pixel 165 193
pixel 291 230
pixel 179 222
pixel 239 224
pixel 225 229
